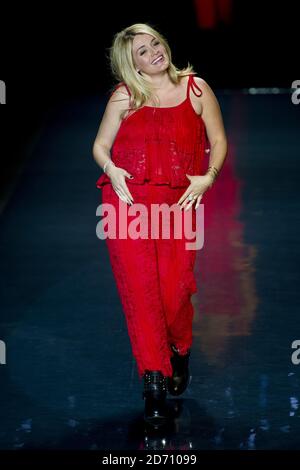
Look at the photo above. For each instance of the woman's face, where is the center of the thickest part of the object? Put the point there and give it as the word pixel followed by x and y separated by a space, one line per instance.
pixel 149 55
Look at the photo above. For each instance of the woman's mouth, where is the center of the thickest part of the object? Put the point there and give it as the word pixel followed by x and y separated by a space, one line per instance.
pixel 158 60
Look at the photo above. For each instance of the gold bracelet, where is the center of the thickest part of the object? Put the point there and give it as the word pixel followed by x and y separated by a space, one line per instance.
pixel 213 172
pixel 213 168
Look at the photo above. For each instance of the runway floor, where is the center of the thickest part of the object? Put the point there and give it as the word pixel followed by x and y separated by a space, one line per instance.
pixel 70 381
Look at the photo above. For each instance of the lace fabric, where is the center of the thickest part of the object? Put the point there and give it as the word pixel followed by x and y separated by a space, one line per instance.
pixel 155 277
pixel 161 145
pixel 155 281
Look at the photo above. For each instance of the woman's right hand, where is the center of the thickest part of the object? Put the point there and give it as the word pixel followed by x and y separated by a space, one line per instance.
pixel 117 176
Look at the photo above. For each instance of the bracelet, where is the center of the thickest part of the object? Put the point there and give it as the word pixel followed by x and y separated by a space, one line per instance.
pixel 107 163
pixel 214 169
pixel 214 172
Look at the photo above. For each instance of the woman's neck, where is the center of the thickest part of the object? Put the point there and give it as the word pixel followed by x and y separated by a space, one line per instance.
pixel 161 83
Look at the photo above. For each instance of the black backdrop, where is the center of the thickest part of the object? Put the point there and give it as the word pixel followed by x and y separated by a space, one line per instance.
pixel 51 52
pixel 57 51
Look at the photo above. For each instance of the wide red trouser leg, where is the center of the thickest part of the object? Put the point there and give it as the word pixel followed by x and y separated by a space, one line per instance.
pixel 155 280
pixel 177 282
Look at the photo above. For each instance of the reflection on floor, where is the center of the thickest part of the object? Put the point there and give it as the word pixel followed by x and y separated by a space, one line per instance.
pixel 70 380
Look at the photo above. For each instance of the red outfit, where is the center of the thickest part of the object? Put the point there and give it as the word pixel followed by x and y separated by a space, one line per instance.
pixel 154 276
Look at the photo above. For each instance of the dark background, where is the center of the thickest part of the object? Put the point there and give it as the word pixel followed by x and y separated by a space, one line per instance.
pixel 51 53
pixel 55 275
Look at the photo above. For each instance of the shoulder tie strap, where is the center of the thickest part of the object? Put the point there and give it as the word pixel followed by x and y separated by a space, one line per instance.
pixel 192 83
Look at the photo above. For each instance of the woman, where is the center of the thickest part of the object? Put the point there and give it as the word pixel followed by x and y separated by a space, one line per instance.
pixel 151 146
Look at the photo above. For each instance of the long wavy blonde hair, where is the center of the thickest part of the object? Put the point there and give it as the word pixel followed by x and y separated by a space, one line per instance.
pixel 123 69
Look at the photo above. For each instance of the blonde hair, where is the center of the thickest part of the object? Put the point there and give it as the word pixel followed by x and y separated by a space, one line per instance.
pixel 123 69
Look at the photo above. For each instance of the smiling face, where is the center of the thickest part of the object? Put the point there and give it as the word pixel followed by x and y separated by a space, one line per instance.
pixel 149 54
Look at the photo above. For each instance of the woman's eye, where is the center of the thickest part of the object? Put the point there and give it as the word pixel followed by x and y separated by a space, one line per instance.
pixel 156 43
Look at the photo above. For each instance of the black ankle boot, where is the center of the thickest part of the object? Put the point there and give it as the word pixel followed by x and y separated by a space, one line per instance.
pixel 180 378
pixel 154 394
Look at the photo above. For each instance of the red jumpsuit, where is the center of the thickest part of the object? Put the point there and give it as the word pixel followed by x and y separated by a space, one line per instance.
pixel 154 276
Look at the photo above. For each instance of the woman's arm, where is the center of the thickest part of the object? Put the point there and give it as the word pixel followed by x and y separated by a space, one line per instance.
pixel 109 126
pixel 107 132
pixel 212 117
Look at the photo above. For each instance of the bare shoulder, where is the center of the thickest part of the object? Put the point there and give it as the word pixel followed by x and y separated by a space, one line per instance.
pixel 118 102
pixel 211 111
pixel 196 100
pixel 205 88
pixel 120 94
pixel 112 117
pixel 207 101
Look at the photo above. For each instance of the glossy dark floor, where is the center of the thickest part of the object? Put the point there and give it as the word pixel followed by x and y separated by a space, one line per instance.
pixel 70 380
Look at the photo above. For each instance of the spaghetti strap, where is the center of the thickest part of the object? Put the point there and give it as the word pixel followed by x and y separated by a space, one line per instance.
pixel 127 88
pixel 192 83
pixel 160 145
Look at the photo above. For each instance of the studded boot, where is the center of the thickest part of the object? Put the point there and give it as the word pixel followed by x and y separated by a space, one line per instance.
pixel 180 377
pixel 154 394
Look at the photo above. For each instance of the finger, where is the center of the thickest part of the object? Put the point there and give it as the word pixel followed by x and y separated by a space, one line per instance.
pixel 122 191
pixel 128 200
pixel 189 204
pixel 121 195
pixel 127 192
pixel 185 194
pixel 182 206
pixel 187 201
pixel 198 201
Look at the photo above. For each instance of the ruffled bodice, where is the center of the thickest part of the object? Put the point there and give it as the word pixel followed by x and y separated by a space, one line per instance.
pixel 161 145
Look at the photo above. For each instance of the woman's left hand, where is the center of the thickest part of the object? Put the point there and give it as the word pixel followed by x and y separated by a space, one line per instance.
pixel 199 184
